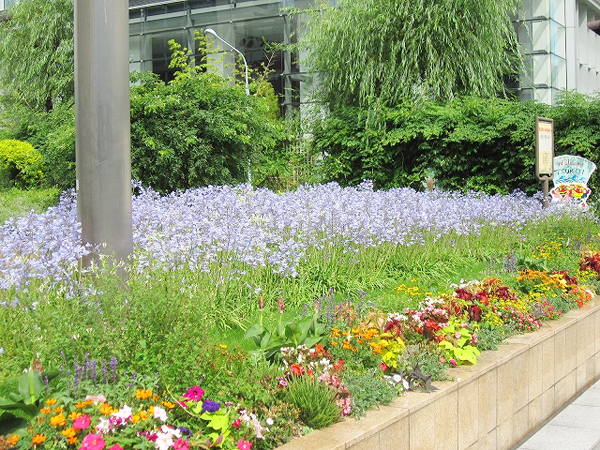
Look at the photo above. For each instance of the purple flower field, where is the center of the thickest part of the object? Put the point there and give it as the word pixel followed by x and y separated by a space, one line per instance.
pixel 256 227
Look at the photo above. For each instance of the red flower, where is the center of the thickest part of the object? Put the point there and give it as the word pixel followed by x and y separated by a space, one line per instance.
pixel 296 369
pixel 236 423
pixel 464 294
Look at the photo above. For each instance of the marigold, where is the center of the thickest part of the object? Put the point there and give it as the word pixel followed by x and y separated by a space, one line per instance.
pixel 38 439
pixel 72 440
pixel 69 432
pixel 83 404
pixel 58 420
pixel 74 415
pixel 106 409
pixel 50 401
pixel 13 440
pixel 169 405
pixel 143 394
pixel 46 410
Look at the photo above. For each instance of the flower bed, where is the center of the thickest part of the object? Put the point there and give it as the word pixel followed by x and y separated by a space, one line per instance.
pixel 495 404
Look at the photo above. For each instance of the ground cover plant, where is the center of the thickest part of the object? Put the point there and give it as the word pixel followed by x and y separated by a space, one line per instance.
pixel 243 307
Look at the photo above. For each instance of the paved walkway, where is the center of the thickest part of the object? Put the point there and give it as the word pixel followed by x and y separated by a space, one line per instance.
pixel 576 427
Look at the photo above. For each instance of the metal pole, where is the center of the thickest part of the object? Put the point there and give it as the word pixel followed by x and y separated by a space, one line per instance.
pixel 102 125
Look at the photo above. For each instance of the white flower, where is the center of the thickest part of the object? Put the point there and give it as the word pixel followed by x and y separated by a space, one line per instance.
pixel 160 413
pixel 104 425
pixel 397 378
pixel 270 421
pixel 163 441
pixel 124 413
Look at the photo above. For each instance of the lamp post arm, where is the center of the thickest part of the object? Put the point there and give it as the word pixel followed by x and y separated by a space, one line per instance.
pixel 214 33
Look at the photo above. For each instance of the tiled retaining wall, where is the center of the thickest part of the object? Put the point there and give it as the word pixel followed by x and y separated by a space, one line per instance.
pixel 492 405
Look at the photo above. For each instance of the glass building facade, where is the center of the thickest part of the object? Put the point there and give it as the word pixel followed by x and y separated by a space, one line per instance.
pixel 248 25
pixel 561 50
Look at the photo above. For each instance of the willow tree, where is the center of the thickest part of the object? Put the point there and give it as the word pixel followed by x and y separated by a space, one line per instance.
pixel 382 52
pixel 36 53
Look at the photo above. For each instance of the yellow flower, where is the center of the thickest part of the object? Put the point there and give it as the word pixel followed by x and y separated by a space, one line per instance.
pixel 58 421
pixel 223 346
pixel 51 401
pixel 39 438
pixel 74 415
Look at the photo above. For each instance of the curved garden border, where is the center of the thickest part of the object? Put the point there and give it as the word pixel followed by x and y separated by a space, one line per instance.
pixel 492 405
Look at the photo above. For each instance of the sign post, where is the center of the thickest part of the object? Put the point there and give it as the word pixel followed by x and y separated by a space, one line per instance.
pixel 544 154
pixel 102 125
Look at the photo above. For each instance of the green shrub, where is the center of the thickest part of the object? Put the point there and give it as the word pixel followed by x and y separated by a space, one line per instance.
pixel 468 143
pixel 315 401
pixel 19 163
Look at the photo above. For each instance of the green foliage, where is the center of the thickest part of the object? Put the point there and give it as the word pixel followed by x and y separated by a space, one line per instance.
pixel 368 390
pixel 380 52
pixel 27 400
pixel 196 130
pixel 19 163
pixel 315 401
pixel 296 332
pixel 457 345
pixel 469 143
pixel 37 55
pixel 17 202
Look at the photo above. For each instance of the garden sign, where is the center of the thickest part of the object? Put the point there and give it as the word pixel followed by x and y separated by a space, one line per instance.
pixel 571 175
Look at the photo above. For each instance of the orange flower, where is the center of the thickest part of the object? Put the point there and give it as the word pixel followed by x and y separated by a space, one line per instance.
pixel 143 394
pixel 82 405
pixel 69 432
pixel 170 405
pixel 58 420
pixel 39 438
pixel 12 440
pixel 46 410
pixel 59 409
pixel 106 409
pixel 74 415
pixel 334 343
pixel 72 440
pixel 51 401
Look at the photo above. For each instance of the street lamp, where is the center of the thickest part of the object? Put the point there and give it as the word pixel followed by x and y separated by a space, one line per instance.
pixel 214 33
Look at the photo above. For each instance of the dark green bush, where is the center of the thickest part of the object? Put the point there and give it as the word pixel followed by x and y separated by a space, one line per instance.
pixel 467 144
pixel 195 131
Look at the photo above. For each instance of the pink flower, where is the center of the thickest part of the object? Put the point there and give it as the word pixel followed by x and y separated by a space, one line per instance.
pixel 453 362
pixel 180 444
pixel 116 447
pixel 81 423
pixel 92 442
pixel 244 445
pixel 194 393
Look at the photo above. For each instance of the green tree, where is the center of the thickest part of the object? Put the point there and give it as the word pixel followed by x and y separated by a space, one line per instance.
pixel 380 52
pixel 36 50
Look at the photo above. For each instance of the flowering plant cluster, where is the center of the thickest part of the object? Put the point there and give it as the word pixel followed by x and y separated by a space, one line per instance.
pixel 316 363
pixel 191 420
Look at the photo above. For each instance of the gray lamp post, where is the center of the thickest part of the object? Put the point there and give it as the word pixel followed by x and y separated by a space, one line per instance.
pixel 102 125
pixel 214 33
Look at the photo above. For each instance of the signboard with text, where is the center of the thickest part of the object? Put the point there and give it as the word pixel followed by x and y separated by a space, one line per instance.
pixel 544 148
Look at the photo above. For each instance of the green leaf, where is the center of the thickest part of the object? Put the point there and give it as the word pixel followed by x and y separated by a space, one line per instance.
pixel 31 386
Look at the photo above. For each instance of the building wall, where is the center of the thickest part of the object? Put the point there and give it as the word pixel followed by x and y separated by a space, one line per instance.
pixel 561 52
